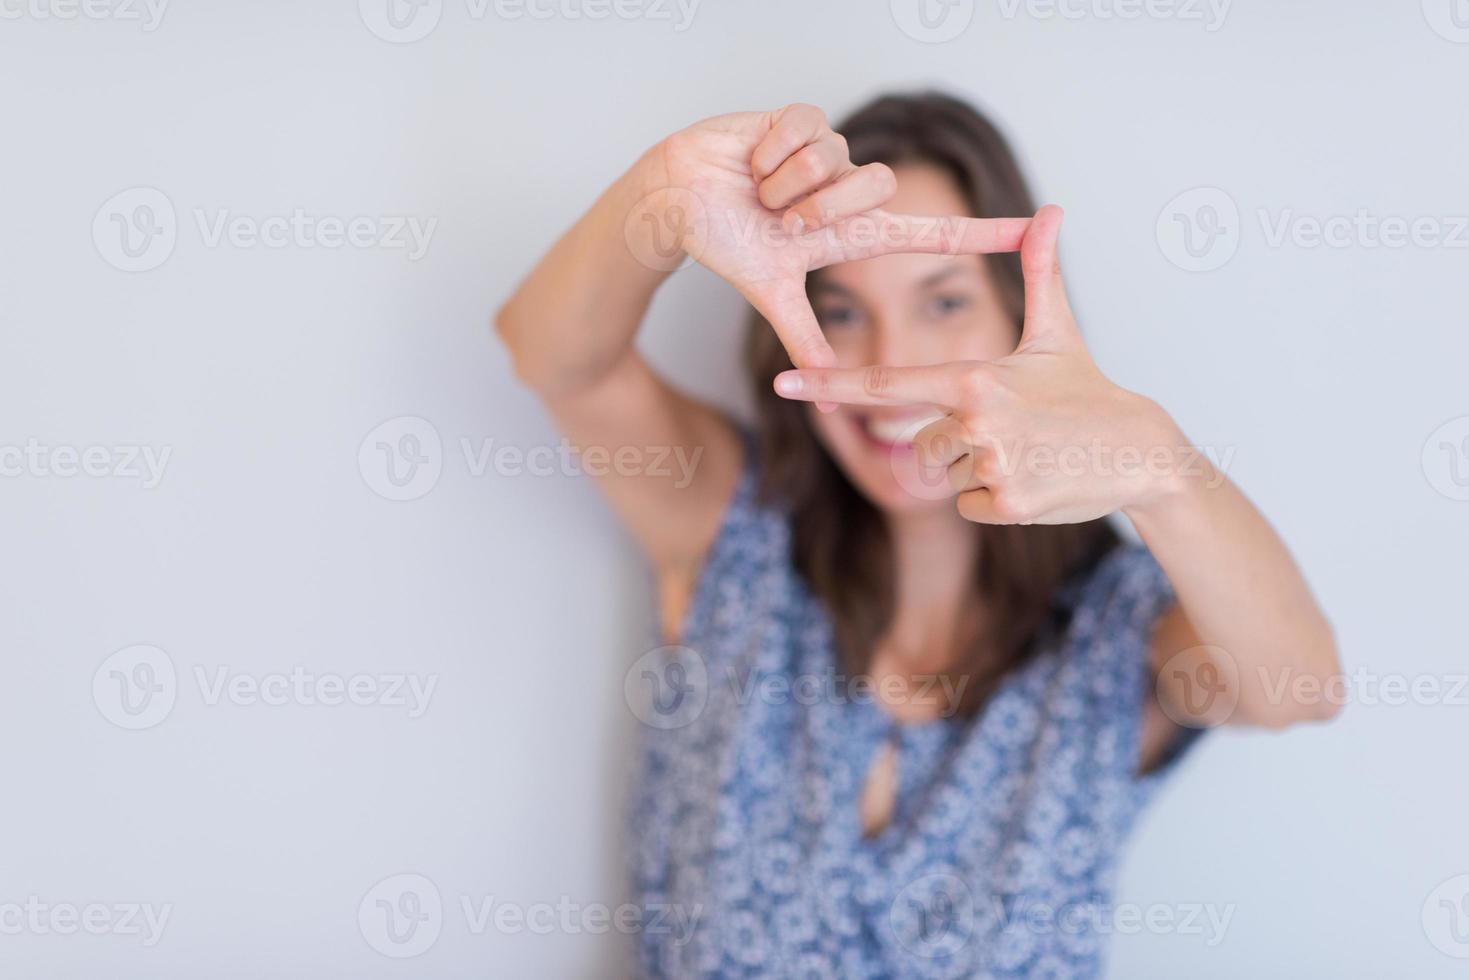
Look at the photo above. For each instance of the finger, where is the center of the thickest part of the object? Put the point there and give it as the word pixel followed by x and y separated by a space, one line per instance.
pixel 962 475
pixel 941 442
pixel 790 129
pixel 785 305
pixel 879 232
pixel 934 384
pixel 809 168
pixel 1047 310
pixel 859 190
pixel 981 506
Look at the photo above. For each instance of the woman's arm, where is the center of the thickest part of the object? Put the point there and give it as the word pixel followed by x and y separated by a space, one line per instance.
pixel 1257 650
pixel 570 328
pixel 574 317
pixel 1043 437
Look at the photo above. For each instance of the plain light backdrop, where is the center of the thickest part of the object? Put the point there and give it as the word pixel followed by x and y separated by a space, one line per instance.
pixel 1334 373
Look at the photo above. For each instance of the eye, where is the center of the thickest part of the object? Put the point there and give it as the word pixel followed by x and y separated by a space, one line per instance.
pixel 835 315
pixel 947 305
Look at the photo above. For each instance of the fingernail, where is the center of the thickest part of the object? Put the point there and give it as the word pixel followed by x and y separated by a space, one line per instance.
pixel 789 383
pixel 794 223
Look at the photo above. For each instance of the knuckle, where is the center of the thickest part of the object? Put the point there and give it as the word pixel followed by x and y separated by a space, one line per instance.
pixel 986 468
pixel 971 507
pixel 805 110
pixel 809 350
pixel 974 385
pixel 883 178
pixel 811 164
pixel 877 381
pixel 932 448
pixel 1008 506
pixel 768 195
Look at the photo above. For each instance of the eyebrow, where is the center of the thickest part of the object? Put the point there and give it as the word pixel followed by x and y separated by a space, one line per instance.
pixel 938 277
pixel 927 282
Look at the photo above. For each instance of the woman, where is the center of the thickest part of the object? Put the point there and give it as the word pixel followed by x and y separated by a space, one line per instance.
pixel 916 531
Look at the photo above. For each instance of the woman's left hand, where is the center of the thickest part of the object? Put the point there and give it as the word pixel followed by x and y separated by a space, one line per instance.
pixel 1038 437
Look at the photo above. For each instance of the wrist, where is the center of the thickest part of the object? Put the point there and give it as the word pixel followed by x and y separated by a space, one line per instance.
pixel 1172 470
pixel 660 224
pixel 648 174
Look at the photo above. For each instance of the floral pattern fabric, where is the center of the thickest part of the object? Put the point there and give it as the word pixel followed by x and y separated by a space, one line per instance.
pixel 747 853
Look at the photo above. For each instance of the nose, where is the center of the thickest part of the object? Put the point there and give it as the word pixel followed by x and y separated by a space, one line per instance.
pixel 891 344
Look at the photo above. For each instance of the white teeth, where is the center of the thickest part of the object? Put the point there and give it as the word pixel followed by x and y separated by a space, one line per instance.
pixel 898 432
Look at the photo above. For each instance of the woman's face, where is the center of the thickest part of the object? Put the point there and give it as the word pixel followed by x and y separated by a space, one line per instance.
pixel 903 310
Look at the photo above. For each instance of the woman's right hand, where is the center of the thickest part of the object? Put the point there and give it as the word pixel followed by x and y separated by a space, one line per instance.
pixel 763 198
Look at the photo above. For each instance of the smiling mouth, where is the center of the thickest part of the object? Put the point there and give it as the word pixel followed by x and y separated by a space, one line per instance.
pixel 892 433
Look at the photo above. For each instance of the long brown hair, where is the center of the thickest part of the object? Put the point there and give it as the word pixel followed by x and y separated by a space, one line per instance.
pixel 839 540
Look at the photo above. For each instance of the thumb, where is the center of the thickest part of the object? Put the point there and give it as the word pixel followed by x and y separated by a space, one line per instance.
pixel 786 307
pixel 1048 316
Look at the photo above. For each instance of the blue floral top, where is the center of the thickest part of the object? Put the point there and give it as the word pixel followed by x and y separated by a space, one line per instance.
pixel 747 850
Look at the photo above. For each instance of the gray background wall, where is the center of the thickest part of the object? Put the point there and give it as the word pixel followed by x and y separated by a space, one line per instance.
pixel 267 541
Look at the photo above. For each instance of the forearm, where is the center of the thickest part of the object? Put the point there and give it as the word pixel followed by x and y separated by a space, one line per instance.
pixel 577 313
pixel 1241 592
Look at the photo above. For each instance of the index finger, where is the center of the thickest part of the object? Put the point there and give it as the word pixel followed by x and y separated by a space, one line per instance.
pixel 929 384
pixel 949 234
